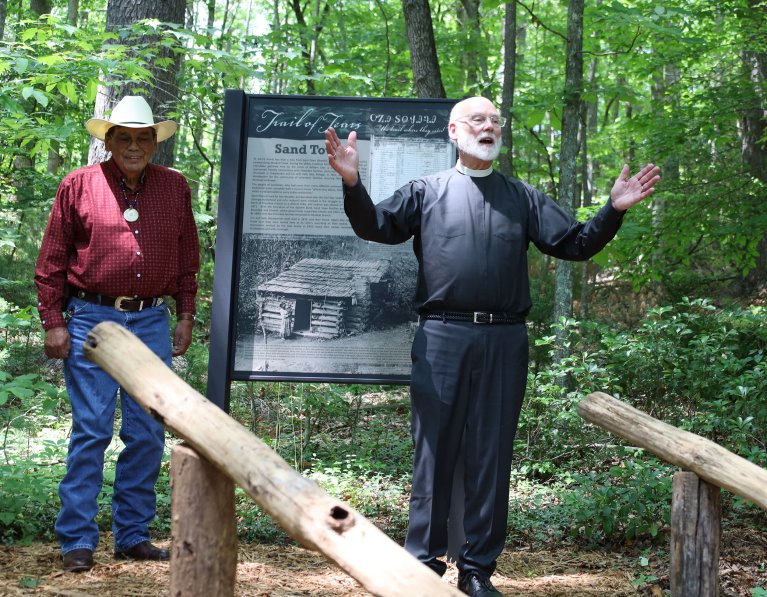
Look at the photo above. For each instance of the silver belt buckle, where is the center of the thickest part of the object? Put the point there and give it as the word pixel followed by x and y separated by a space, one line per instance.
pixel 479 313
pixel 119 301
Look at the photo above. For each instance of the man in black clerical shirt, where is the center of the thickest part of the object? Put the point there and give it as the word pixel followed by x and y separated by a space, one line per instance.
pixel 471 227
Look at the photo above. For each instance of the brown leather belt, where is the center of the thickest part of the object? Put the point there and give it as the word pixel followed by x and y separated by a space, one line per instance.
pixel 473 317
pixel 121 303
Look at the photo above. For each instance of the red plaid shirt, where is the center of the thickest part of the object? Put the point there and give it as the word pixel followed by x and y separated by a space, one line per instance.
pixel 88 244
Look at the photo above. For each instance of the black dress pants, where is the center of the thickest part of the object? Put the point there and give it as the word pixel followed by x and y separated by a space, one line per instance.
pixel 468 380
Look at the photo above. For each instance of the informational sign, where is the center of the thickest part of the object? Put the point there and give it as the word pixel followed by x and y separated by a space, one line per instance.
pixel 297 296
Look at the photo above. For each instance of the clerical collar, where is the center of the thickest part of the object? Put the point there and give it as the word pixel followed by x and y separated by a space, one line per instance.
pixel 469 172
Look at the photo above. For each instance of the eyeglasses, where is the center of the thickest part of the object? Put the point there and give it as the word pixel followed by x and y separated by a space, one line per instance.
pixel 480 119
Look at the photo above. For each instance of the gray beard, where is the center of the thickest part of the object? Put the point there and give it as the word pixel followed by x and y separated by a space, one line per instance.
pixel 479 151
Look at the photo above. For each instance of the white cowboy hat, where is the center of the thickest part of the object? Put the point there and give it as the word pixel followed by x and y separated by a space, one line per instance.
pixel 133 112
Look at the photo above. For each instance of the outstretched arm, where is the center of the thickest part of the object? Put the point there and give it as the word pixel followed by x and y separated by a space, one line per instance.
pixel 628 191
pixel 344 160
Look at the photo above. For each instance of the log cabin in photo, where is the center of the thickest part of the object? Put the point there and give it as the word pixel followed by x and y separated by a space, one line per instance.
pixel 323 298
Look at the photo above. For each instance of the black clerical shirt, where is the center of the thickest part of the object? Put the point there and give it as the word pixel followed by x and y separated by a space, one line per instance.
pixel 471 234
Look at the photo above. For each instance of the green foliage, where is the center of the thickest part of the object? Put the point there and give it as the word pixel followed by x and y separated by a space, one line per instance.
pixel 306 423
pixel 28 502
pixel 670 86
pixel 571 482
pixel 699 368
pixel 644 564
pixel 48 80
pixel 692 365
pixel 377 496
pixel 631 499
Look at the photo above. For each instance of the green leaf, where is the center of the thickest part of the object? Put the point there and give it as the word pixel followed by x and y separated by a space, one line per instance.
pixel 91 89
pixel 534 118
pixel 40 97
pixel 21 392
pixel 67 89
pixel 52 59
pixel 21 65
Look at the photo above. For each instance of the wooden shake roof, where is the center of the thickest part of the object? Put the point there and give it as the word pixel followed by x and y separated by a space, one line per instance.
pixel 326 277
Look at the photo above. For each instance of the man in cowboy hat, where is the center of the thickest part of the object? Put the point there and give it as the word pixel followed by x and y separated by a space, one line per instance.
pixel 121 237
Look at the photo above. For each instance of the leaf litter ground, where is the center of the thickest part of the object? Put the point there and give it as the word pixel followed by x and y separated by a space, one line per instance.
pixel 287 570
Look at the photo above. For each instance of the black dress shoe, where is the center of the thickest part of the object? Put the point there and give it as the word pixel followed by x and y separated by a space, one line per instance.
pixel 78 560
pixel 477 586
pixel 143 551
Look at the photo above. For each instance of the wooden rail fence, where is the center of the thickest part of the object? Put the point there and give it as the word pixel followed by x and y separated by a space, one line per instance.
pixel 203 557
pixel 695 511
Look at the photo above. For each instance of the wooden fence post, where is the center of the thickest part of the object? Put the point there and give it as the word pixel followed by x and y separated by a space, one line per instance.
pixel 695 537
pixel 204 553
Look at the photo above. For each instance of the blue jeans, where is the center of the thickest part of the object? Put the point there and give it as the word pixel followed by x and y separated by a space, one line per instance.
pixel 93 396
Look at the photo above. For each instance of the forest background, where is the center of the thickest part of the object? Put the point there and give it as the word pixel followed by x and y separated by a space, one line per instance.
pixel 669 317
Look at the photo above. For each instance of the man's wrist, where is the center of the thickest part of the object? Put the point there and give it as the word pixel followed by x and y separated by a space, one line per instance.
pixel 186 317
pixel 353 183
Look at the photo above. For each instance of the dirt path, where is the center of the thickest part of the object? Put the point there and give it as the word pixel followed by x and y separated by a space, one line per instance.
pixel 269 570
pixel 289 570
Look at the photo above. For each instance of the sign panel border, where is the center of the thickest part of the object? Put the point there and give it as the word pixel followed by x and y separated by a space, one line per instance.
pixel 411 127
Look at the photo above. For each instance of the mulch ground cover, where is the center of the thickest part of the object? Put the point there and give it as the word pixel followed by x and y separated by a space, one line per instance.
pixel 285 570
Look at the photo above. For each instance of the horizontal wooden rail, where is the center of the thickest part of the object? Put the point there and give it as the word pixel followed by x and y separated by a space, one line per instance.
pixel 707 459
pixel 298 504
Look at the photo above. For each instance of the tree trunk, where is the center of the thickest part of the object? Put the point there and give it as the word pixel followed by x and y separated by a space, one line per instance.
pixel 385 20
pixel 665 93
pixel 40 7
pixel 754 117
pixel 753 129
pixel 427 79
pixel 589 126
pixel 568 163
pixel 586 192
pixel 306 513
pixel 298 11
pixel 509 80
pixel 3 14
pixel 73 8
pixel 164 84
pixel 474 57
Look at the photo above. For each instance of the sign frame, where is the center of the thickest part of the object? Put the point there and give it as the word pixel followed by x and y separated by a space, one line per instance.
pixel 234 217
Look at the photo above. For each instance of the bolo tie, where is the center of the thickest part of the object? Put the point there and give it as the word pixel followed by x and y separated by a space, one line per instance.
pixel 131 212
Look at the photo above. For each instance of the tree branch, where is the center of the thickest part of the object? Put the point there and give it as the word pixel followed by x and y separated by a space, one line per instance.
pixel 539 23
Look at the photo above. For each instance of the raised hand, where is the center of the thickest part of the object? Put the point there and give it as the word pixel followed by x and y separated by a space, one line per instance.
pixel 628 191
pixel 344 160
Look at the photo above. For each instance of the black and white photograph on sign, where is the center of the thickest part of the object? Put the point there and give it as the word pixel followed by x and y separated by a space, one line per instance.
pixel 313 300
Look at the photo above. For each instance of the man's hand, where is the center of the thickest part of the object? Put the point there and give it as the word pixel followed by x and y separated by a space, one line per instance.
pixel 57 343
pixel 630 191
pixel 182 336
pixel 344 160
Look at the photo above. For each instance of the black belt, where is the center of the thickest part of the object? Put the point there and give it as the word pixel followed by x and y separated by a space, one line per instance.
pixel 473 316
pixel 121 303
